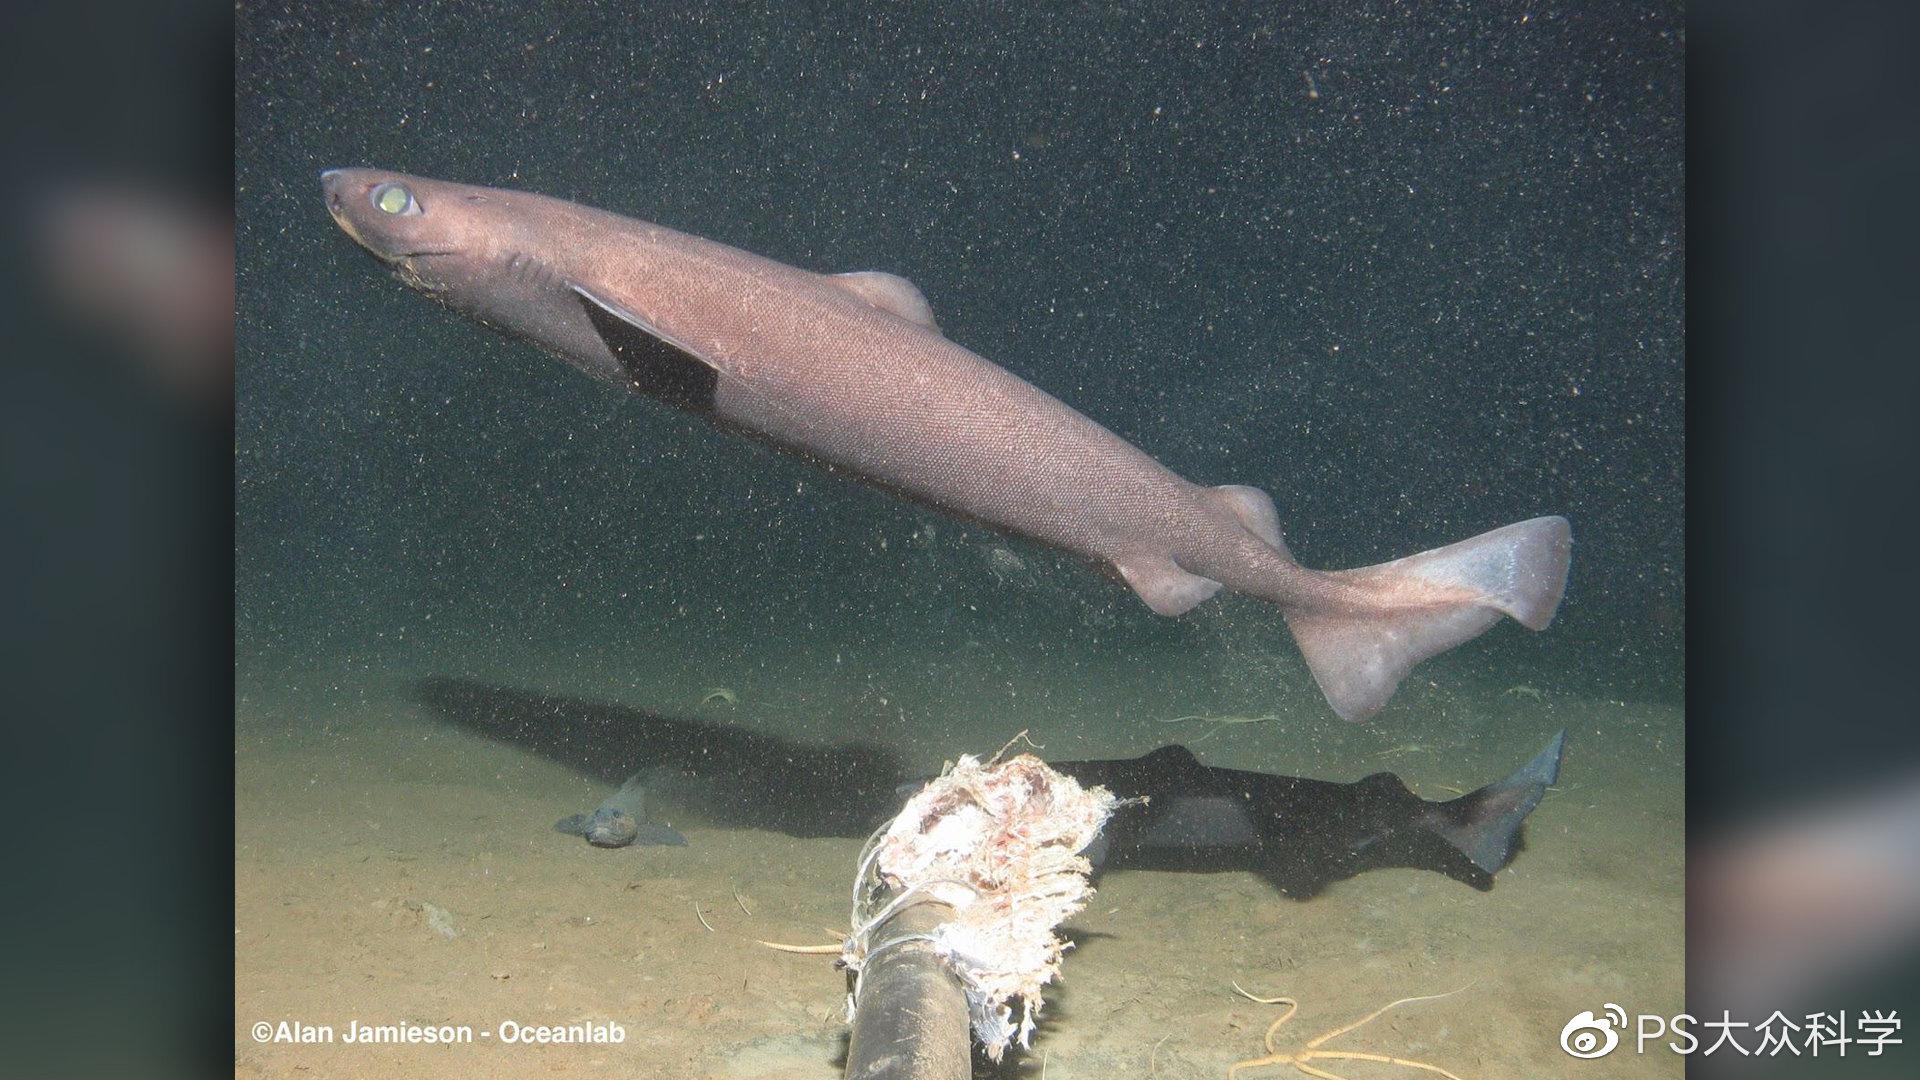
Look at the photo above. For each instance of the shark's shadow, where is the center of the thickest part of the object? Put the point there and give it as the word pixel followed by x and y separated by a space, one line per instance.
pixel 1299 834
pixel 748 779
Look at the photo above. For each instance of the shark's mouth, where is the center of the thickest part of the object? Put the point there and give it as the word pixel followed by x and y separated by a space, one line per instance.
pixel 407 267
pixel 404 264
pixel 347 226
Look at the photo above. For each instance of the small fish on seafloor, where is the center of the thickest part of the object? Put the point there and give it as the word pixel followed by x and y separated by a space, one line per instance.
pixel 621 821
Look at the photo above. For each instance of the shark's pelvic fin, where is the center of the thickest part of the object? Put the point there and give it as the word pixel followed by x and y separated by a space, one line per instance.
pixel 1166 588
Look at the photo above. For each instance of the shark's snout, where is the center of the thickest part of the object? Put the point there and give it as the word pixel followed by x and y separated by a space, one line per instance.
pixel 330 184
pixel 333 185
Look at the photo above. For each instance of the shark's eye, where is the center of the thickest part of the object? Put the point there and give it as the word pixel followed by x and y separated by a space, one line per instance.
pixel 394 199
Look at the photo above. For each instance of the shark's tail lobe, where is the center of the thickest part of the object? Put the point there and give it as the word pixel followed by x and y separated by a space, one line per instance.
pixel 1483 823
pixel 1425 604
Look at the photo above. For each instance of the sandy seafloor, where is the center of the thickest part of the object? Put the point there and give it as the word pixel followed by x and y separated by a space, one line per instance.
pixel 357 813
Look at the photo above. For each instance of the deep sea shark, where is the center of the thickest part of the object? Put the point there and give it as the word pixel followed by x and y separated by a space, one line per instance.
pixel 851 372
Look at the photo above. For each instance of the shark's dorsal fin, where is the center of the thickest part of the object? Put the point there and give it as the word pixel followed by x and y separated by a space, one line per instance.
pixel 890 293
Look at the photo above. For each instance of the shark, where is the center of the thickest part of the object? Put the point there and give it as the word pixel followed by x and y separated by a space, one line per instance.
pixel 851 372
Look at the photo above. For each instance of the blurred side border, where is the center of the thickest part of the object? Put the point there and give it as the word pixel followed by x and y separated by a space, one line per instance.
pixel 1802 226
pixel 116 511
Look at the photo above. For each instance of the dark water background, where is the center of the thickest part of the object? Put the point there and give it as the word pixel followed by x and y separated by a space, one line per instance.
pixel 1416 270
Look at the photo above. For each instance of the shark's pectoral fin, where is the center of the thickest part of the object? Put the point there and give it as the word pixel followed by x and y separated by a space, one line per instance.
pixel 655 363
pixel 890 293
pixel 1166 588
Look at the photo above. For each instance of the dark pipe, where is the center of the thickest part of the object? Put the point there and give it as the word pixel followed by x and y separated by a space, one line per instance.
pixel 910 1022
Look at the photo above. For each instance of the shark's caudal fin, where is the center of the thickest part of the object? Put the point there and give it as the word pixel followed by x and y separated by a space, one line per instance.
pixel 1483 823
pixel 1426 604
